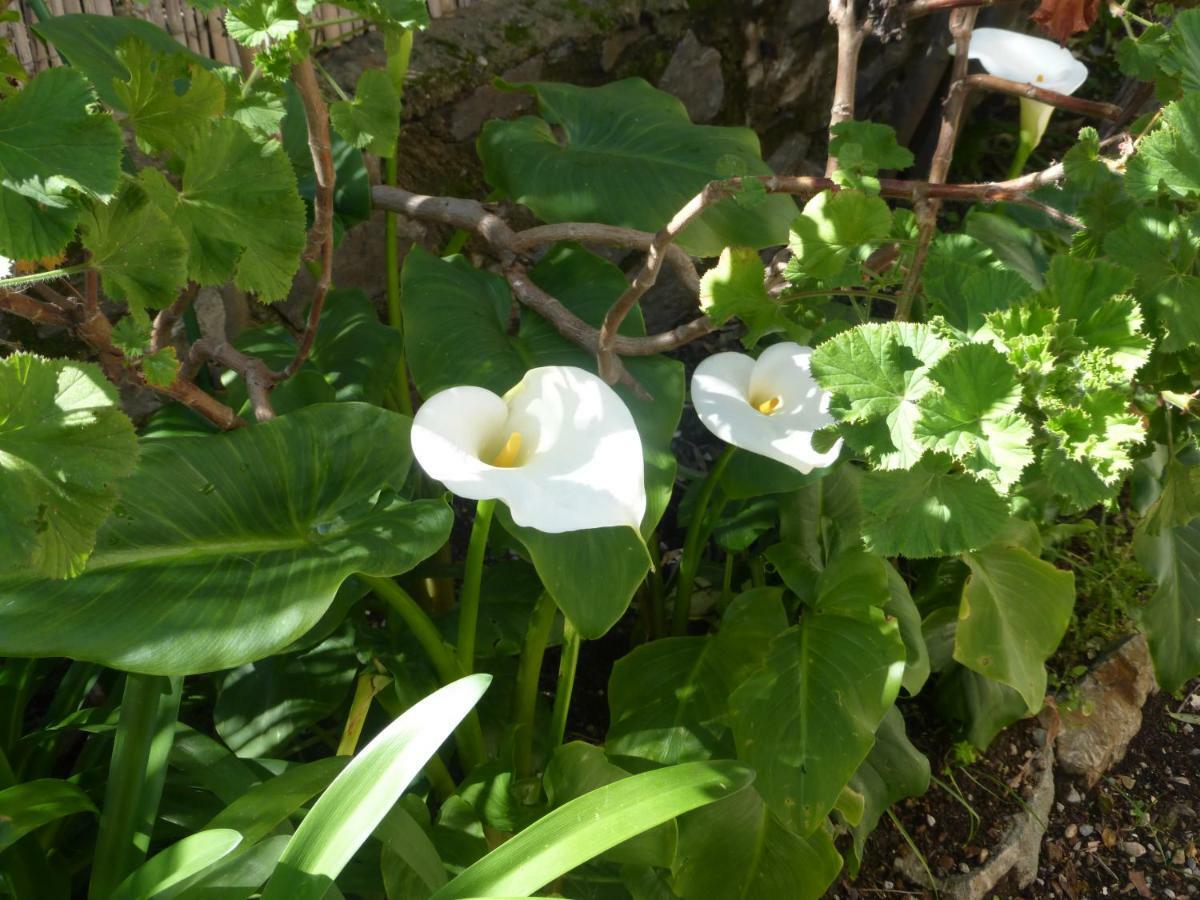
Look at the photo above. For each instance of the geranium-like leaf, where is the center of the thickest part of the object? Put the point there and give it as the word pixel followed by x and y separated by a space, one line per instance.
pixel 929 512
pixel 734 287
pixel 161 367
pixel 141 255
pixel 371 121
pixel 162 117
pixel 835 225
pixel 258 23
pixel 972 415
pixel 1098 432
pixel 964 293
pixel 226 548
pixel 877 374
pixel 1169 157
pixel 869 146
pixel 65 444
pixel 1015 610
pixel 51 144
pixel 626 154
pixel 806 720
pixel 239 210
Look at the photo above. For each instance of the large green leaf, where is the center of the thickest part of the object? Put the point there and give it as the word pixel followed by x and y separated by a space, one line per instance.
pixel 807 719
pixel 52 144
pixel 833 226
pixel 164 118
pixel 64 443
pixel 371 121
pixel 156 877
pixel 226 548
pixel 669 699
pixel 363 793
pixel 588 825
pixel 140 254
pixel 239 210
pixel 1170 618
pixel 929 512
pixel 1169 157
pixel 893 770
pixel 1015 609
pixel 734 287
pixel 626 154
pixel 449 304
pixel 738 849
pixel 24 807
pixel 264 705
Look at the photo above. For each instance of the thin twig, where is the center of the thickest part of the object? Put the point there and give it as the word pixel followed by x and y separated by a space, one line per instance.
pixel 457 212
pixel 1093 108
pixel 962 22
pixel 609 235
pixel 320 238
pixel 918 8
pixel 27 308
pixel 849 42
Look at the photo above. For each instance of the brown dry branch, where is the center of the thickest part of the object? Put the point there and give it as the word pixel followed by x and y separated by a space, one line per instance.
pixel 918 8
pixel 255 373
pixel 1092 108
pixel 962 22
pixel 850 35
pixel 457 212
pixel 28 308
pixel 168 317
pixel 320 237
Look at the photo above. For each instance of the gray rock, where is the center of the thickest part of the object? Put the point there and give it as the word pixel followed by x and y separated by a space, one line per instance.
pixel 1086 830
pixel 1113 693
pixel 1073 796
pixel 1133 848
pixel 694 76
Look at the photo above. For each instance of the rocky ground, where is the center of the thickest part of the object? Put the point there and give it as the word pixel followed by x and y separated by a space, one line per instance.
pixel 1133 834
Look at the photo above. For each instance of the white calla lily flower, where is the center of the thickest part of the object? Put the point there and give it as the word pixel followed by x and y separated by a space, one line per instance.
pixel 1025 58
pixel 560 449
pixel 5 267
pixel 770 406
pixel 1033 60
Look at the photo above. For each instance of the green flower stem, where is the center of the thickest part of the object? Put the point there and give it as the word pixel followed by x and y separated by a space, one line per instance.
pixel 145 732
pixel 468 606
pixel 529 669
pixel 399 50
pixel 469 734
pixel 566 684
pixel 63 272
pixel 693 543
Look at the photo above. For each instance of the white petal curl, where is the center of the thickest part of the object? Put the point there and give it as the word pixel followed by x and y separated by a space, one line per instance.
pixel 727 388
pixel 580 464
pixel 5 267
pixel 1025 58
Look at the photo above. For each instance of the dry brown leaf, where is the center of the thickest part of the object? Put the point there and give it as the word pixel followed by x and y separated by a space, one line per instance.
pixel 1063 18
pixel 1138 880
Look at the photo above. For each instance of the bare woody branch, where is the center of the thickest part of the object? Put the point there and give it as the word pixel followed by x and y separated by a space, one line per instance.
pixel 255 373
pixel 962 23
pixel 850 35
pixel 320 238
pixel 28 308
pixel 1095 109
pixel 168 316
pixel 918 8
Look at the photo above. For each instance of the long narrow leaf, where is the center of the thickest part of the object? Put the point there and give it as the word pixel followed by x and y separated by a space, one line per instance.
pixel 25 807
pixel 261 808
pixel 181 860
pixel 587 826
pixel 361 796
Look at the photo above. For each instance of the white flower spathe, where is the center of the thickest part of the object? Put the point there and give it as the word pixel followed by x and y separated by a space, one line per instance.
pixel 1025 58
pixel 5 267
pixel 770 406
pixel 560 449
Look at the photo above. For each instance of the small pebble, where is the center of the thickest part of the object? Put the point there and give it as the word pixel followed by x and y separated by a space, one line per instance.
pixel 983 854
pixel 1134 849
pixel 1179 858
pixel 930 820
pixel 1086 830
pixel 1128 781
pixel 887 885
pixel 964 868
pixel 1073 796
pixel 1071 831
pixel 1169 894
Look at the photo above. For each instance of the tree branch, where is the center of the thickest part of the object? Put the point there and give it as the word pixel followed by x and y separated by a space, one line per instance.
pixel 457 212
pixel 320 238
pixel 168 317
pixel 849 42
pixel 918 8
pixel 962 22
pixel 1096 110
pixel 27 308
pixel 255 373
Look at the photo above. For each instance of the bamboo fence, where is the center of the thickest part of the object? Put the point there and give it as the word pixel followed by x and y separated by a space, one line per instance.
pixel 201 32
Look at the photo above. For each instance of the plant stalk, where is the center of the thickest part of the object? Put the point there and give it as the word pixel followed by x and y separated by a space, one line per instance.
pixel 529 670
pixel 399 50
pixel 145 732
pixel 468 735
pixel 693 544
pixel 468 607
pixel 566 684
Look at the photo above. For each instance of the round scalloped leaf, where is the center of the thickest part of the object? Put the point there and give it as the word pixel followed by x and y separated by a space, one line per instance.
pixel 64 443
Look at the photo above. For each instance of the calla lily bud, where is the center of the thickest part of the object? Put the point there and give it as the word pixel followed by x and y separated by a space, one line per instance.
pixel 560 449
pixel 770 406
